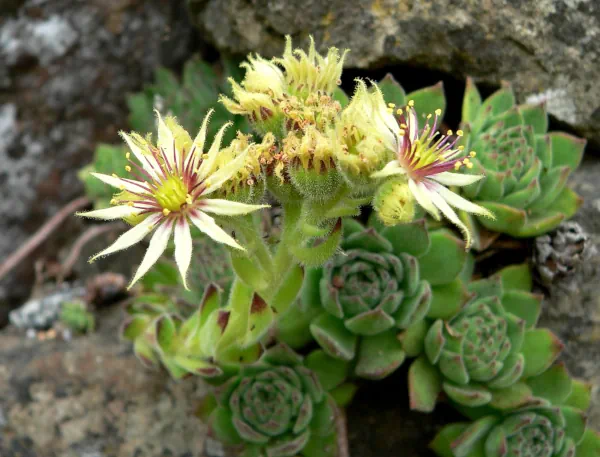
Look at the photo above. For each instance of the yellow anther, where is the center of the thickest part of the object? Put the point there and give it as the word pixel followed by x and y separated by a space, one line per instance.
pixel 411 103
pixel 114 175
pixel 472 153
pixel 204 156
pixel 438 112
pixel 188 199
pixel 166 212
pixel 461 148
pixel 429 116
pixel 113 201
pixel 127 155
pixel 401 132
pixel 390 110
pixel 130 204
pixel 399 111
pixel 457 165
pixel 449 132
pixel 460 132
pixel 392 105
pixel 466 161
pixel 127 168
pixel 404 126
pixel 469 165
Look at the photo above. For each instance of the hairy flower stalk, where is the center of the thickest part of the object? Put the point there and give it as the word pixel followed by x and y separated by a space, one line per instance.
pixel 425 157
pixel 168 191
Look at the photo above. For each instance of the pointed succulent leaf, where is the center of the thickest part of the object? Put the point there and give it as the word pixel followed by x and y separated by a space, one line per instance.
pixel 371 322
pixel 413 338
pixel 429 99
pixel 468 395
pixel 424 385
pixel 447 300
pixel 540 348
pixel 471 102
pixel 507 220
pixel 281 355
pixel 331 372
pixel 343 394
pixel 567 150
pixel 392 91
pixel 221 423
pixel 539 224
pixel 340 96
pixel 512 397
pixel 554 384
pixel 333 337
pixel 369 240
pixel 411 238
pixel 575 422
pixel 435 341
pixel 472 435
pixel 524 305
pixel 446 249
pixel 516 277
pixel 379 356
pixel 536 116
pixel 580 396
pixel 589 445
pixel 317 254
pixel 442 443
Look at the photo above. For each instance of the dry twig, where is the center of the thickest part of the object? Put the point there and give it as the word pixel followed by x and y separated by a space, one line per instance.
pixel 41 235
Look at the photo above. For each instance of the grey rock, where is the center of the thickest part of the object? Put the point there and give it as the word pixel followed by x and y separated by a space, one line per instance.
pixel 90 397
pixel 558 254
pixel 42 312
pixel 571 307
pixel 547 49
pixel 65 69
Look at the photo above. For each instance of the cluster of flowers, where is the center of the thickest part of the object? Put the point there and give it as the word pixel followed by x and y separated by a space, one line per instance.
pixel 402 287
pixel 171 185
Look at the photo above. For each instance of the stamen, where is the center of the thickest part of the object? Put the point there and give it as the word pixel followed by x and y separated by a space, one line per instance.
pixel 128 168
pixel 411 103
pixel 438 112
pixel 166 212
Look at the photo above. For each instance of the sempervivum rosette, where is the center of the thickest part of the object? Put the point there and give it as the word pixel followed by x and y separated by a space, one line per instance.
pixel 553 424
pixel 483 354
pixel 276 408
pixel 526 167
pixel 383 283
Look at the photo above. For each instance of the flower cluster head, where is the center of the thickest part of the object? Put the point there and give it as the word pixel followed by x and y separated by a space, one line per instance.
pixel 169 188
pixel 425 158
pixel 363 136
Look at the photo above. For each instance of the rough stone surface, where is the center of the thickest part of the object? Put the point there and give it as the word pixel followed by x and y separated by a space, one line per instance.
pixel 572 304
pixel 91 397
pixel 65 68
pixel 548 49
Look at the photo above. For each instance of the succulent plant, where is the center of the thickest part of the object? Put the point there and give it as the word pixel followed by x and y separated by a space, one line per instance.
pixel 553 424
pixel 526 167
pixel 385 281
pixel 484 354
pixel 164 277
pixel 275 408
pixel 206 342
pixel 75 315
pixel 189 99
pixel 107 159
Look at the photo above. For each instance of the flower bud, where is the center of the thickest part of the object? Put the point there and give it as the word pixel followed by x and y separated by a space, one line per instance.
pixel 311 167
pixel 394 202
pixel 308 73
pixel 361 137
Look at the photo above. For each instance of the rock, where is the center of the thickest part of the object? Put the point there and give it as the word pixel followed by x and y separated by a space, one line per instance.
pixel 572 304
pixel 91 397
pixel 547 49
pixel 42 312
pixel 558 254
pixel 65 69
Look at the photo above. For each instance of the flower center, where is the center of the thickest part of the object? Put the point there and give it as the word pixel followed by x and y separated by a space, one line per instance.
pixel 172 193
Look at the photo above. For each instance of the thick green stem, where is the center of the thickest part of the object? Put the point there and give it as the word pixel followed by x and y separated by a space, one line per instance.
pixel 255 244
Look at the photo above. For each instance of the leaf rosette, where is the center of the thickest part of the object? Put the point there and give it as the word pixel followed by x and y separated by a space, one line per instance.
pixel 483 354
pixel 526 166
pixel 276 408
pixel 383 283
